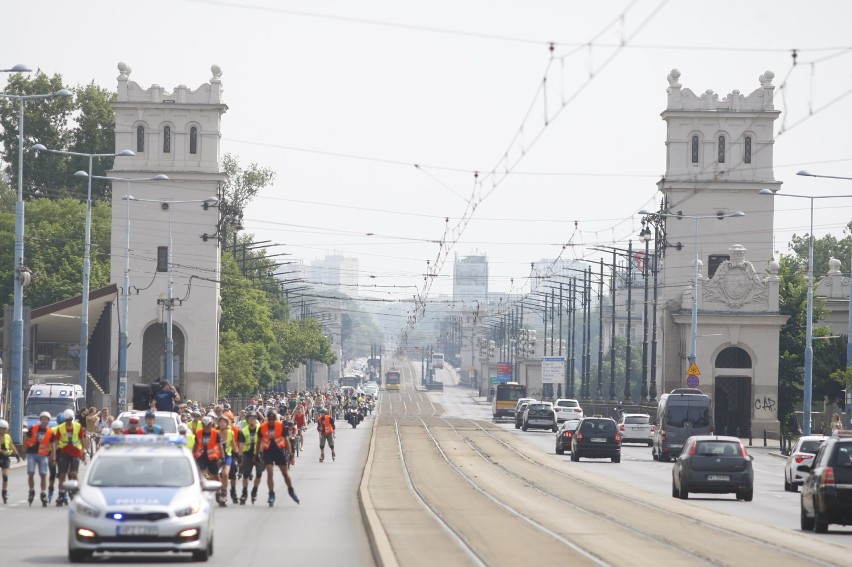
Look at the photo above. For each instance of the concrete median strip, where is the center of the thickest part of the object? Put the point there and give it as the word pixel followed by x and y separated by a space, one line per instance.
pixel 379 542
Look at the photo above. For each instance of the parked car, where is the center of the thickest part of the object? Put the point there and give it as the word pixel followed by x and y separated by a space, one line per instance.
pixel 713 464
pixel 564 434
pixel 596 438
pixel 567 409
pixel 803 454
pixel 519 412
pixel 636 428
pixel 539 415
pixel 827 490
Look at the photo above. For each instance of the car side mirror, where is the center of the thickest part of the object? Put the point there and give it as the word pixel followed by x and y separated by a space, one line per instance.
pixel 803 468
pixel 211 486
pixel 71 485
pixel 751 457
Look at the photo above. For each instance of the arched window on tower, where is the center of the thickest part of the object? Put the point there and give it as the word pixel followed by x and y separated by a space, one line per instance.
pixel 721 149
pixel 695 149
pixel 733 357
pixel 747 150
pixel 140 139
pixel 193 140
pixel 167 140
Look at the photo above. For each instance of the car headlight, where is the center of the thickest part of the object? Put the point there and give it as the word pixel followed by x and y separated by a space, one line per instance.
pixel 189 510
pixel 83 508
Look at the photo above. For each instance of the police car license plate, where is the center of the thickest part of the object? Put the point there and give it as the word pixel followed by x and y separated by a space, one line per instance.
pixel 540 421
pixel 137 531
pixel 722 477
pixel 598 439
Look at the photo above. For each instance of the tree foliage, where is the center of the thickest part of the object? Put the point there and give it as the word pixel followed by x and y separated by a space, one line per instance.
pixel 82 123
pixel 53 248
pixel 242 184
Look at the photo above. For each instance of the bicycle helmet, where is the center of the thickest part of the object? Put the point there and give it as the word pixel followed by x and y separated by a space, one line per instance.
pixel 4 424
pixel 45 414
pixel 117 424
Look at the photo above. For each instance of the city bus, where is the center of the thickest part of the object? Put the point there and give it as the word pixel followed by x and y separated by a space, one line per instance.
pixel 506 396
pixel 437 360
pixel 350 380
pixel 392 377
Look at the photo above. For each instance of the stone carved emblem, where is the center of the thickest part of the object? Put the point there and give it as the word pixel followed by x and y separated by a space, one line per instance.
pixel 735 282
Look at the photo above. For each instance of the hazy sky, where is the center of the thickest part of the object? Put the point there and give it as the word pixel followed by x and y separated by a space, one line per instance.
pixel 343 98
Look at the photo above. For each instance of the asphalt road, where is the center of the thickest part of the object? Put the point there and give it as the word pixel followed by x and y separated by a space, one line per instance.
pixel 637 470
pixel 326 529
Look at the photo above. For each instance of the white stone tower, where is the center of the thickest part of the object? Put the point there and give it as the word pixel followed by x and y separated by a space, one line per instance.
pixel 719 154
pixel 176 134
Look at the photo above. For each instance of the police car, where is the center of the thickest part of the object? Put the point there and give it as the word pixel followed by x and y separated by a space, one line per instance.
pixel 141 493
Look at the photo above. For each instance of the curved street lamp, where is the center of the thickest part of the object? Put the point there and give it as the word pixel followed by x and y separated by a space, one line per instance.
pixel 169 302
pixel 16 382
pixel 125 290
pixel 696 218
pixel 84 313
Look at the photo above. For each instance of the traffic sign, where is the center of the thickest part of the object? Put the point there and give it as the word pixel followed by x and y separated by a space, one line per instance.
pixel 693 370
pixel 692 381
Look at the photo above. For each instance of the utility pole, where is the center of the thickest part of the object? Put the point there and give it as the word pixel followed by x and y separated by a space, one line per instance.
pixel 572 337
pixel 627 393
pixel 600 333
pixel 612 334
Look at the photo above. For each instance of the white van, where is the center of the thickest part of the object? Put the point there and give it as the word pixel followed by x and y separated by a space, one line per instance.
pixel 54 398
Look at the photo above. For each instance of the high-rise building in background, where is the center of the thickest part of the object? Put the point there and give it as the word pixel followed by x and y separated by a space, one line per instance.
pixel 470 279
pixel 550 270
pixel 336 272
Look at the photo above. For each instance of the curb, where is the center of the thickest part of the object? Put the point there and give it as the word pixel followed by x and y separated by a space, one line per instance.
pixel 379 543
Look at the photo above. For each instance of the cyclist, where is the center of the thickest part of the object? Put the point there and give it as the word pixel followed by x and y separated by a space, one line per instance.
pixel 116 427
pixel 249 440
pixel 133 427
pixel 188 439
pixel 275 450
pixel 325 427
pixel 70 440
pixel 38 453
pixel 150 427
pixel 7 449
pixel 300 419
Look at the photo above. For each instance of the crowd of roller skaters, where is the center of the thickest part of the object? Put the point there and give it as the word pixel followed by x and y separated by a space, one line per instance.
pixel 235 449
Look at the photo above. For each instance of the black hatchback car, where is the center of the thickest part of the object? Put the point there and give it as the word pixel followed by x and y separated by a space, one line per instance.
pixel 827 490
pixel 714 464
pixel 597 438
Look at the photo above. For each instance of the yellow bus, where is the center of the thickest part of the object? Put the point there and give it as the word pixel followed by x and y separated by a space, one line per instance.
pixel 506 396
pixel 392 377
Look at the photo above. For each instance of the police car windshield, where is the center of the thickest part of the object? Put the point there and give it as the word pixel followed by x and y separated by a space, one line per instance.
pixel 53 407
pixel 141 471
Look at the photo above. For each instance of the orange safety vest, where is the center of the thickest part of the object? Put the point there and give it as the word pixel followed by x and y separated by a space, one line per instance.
pixel 266 437
pixel 326 424
pixel 213 451
pixel 44 446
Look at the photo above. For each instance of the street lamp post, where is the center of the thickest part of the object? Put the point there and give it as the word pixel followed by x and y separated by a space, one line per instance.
pixel 694 318
pixel 17 356
pixel 808 394
pixel 169 302
pixel 125 290
pixel 87 253
pixel 646 236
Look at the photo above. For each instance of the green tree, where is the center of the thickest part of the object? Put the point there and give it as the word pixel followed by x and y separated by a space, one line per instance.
pixel 46 122
pixel 241 186
pixel 825 248
pixel 54 245
pixel 82 123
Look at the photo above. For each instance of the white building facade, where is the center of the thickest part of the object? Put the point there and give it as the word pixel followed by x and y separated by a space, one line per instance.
pixel 719 155
pixel 176 134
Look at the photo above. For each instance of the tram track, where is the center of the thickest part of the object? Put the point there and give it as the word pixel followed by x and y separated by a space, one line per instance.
pixel 769 546
pixel 499 501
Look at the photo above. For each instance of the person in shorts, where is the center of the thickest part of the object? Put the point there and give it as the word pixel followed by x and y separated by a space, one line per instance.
pixel 68 451
pixel 37 446
pixel 7 449
pixel 251 467
pixel 275 452
pixel 208 450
